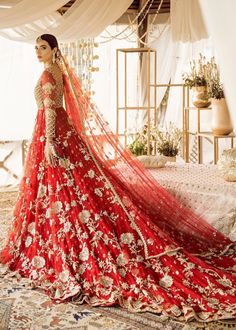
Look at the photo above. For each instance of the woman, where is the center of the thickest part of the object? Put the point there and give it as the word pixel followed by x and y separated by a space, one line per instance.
pixel 91 223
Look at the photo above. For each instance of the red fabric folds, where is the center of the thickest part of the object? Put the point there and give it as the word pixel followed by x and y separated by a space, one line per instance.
pixel 162 209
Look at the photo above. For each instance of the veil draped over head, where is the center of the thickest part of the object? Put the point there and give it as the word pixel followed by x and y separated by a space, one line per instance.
pixel 159 206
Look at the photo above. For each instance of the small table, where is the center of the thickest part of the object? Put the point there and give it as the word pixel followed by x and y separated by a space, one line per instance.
pixel 215 138
pixel 201 134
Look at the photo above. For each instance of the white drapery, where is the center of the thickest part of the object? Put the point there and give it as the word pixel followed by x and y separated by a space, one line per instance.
pixel 220 20
pixel 85 18
pixel 27 11
pixel 187 23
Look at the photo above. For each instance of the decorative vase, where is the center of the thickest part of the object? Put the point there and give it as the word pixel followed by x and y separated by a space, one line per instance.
pixel 221 121
pixel 200 97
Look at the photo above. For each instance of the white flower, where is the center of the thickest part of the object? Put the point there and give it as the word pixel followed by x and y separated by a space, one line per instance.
pixel 106 281
pixel 64 275
pixel 65 143
pixel 127 238
pixel 73 203
pixel 84 216
pixel 31 228
pixel 28 241
pixel 38 262
pixel 48 213
pixel 84 254
pixel 67 208
pixel 225 281
pixel 122 272
pixel 121 260
pixel 56 207
pixel 86 157
pixel 82 269
pixel 98 192
pixel 67 227
pixel 70 182
pixel 84 197
pixel 91 174
pixel 42 138
pixel 166 281
pixel 42 191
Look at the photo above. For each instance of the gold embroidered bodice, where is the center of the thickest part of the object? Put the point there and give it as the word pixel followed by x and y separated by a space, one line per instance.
pixel 49 97
pixel 50 82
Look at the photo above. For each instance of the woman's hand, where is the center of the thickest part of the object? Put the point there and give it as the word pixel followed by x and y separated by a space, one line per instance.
pixel 50 153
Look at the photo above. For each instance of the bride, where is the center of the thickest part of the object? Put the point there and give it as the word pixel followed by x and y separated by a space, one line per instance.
pixel 91 223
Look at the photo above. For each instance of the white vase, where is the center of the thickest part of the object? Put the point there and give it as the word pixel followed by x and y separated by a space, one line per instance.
pixel 221 122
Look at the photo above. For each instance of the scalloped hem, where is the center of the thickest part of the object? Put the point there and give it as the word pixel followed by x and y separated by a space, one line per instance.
pixel 186 314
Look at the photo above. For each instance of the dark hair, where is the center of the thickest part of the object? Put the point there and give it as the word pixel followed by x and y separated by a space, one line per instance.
pixel 51 40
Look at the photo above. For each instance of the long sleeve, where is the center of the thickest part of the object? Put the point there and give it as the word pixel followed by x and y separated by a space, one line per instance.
pixel 49 96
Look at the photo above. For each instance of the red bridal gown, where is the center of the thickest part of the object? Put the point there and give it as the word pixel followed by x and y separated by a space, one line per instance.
pixel 72 237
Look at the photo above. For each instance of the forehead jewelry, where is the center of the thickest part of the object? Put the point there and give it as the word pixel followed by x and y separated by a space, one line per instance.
pixel 40 39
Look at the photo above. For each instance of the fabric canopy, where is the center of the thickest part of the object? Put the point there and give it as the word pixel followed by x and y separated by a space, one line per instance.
pixel 187 23
pixel 85 18
pixel 27 11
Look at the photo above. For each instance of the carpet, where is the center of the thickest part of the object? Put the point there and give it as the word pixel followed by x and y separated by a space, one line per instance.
pixel 22 308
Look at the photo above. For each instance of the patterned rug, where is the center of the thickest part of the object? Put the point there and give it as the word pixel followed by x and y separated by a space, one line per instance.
pixel 22 308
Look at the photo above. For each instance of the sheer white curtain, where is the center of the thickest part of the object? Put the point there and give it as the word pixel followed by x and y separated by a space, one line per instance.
pixel 186 21
pixel 105 80
pixel 220 20
pixel 85 18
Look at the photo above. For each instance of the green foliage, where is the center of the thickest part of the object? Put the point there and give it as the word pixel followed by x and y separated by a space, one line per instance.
pixel 166 140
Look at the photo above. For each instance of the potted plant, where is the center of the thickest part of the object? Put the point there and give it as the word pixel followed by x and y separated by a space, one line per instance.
pixel 196 80
pixel 221 121
pixel 139 146
pixel 168 141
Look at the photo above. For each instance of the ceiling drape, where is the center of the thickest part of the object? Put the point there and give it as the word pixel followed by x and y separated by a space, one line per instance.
pixel 85 18
pixel 187 23
pixel 27 11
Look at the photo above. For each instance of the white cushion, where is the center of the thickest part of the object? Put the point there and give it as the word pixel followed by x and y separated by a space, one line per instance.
pixel 153 161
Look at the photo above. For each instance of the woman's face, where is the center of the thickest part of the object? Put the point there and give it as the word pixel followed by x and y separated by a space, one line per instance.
pixel 43 51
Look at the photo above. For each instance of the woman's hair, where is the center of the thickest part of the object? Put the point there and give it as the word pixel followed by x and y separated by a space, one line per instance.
pixel 51 40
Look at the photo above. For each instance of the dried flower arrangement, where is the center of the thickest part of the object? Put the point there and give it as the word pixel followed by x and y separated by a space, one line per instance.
pixel 166 139
pixel 198 72
pixel 214 85
pixel 205 73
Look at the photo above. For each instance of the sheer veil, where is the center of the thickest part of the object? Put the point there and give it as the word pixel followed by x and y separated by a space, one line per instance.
pixel 118 165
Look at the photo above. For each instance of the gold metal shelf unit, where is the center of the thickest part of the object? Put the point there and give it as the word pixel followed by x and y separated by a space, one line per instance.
pixel 125 51
pixel 151 91
pixel 200 135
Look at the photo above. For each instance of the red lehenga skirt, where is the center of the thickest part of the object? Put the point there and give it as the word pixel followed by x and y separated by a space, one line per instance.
pixel 71 237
